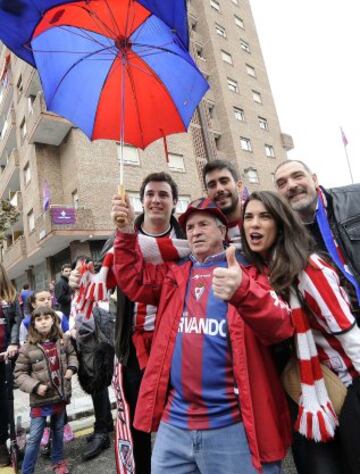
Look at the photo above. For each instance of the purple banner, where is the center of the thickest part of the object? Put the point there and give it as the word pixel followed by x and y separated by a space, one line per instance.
pixel 63 215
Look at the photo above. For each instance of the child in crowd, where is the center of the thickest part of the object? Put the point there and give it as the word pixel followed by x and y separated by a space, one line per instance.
pixel 44 368
pixel 43 298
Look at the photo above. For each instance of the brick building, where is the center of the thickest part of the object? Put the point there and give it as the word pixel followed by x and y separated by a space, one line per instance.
pixel 42 155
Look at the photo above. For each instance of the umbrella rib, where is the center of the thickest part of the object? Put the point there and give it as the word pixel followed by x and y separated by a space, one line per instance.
pixel 95 17
pixel 111 13
pixel 136 104
pixel 72 67
pixel 85 35
pixel 159 50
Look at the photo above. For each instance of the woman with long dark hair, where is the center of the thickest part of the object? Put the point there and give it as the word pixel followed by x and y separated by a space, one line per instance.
pixel 10 319
pixel 278 244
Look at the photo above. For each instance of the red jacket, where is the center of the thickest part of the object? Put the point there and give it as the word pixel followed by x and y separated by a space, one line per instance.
pixel 256 319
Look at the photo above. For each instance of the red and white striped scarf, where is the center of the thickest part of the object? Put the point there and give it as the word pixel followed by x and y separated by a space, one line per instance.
pixel 94 287
pixel 124 455
pixel 316 417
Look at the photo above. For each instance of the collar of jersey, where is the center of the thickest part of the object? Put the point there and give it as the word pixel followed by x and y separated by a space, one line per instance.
pixel 219 257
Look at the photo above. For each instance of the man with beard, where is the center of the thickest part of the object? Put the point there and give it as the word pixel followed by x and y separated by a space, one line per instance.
pixel 332 216
pixel 223 186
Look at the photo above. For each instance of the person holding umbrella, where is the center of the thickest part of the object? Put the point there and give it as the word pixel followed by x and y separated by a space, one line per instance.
pixel 10 319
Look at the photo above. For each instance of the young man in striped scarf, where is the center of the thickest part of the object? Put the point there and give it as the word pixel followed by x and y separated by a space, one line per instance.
pixel 135 321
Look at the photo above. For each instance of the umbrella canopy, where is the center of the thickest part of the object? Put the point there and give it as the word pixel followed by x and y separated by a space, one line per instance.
pixel 117 69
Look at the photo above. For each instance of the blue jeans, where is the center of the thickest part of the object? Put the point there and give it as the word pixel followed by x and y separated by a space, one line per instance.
pixel 216 451
pixel 37 426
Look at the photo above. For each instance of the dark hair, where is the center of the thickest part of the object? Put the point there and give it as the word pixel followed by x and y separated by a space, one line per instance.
pixel 293 161
pixel 66 265
pixel 220 165
pixel 55 332
pixel 159 177
pixel 26 286
pixel 293 245
pixel 32 297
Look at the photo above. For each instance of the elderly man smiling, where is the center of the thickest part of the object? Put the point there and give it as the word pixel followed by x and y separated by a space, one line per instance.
pixel 210 388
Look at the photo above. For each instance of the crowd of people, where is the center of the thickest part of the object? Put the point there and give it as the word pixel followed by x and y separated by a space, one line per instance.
pixel 235 332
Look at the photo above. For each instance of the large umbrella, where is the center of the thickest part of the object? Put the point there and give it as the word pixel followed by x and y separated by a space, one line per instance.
pixel 117 69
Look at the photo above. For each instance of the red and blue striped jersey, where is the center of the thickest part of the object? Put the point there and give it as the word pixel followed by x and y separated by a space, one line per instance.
pixel 202 394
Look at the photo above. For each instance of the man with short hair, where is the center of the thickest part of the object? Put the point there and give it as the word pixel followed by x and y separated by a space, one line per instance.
pixel 209 366
pixel 223 186
pixel 63 291
pixel 332 216
pixel 135 321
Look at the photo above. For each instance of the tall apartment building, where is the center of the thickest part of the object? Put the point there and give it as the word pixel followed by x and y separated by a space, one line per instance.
pixel 42 155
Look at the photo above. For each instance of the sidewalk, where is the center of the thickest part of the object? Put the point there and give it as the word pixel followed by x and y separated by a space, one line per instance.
pixel 80 406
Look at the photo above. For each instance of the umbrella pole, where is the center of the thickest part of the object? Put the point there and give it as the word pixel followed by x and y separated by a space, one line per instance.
pixel 121 188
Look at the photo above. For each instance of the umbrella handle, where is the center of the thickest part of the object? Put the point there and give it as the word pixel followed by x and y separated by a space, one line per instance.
pixel 121 192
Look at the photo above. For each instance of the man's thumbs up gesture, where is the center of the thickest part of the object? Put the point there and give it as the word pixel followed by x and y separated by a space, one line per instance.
pixel 227 280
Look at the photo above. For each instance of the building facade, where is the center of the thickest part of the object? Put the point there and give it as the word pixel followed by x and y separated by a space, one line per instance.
pixel 62 184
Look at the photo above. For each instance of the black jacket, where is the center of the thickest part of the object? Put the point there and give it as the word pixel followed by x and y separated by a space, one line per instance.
pixel 63 295
pixel 344 218
pixel 124 307
pixel 13 317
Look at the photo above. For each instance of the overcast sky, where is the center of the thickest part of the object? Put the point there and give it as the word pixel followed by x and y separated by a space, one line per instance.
pixel 312 54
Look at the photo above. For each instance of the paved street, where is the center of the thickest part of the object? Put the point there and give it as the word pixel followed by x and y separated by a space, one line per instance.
pixel 80 412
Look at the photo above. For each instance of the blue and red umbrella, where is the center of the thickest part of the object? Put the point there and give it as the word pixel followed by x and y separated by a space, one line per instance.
pixel 117 69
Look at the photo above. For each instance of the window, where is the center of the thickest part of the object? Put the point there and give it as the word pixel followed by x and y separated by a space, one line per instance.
pixel 176 162
pixel 23 129
pixel 182 204
pixel 75 199
pixel 250 70
pixel 27 173
pixel 131 155
pixel 30 104
pixel 263 124
pixel 19 85
pixel 215 5
pixel 226 57
pixel 269 151
pixel 257 97
pixel 233 85
pixel 251 175
pixel 211 109
pixel 245 144
pixel 200 52
pixel 239 22
pixel 217 139
pixel 239 113
pixel 220 30
pixel 135 202
pixel 31 220
pixel 244 45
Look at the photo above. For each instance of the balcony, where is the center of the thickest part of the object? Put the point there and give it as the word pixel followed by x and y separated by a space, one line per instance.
pixel 7 138
pixel 10 177
pixel 45 127
pixel 15 253
pixel 6 94
pixel 16 201
pixel 32 84
pixel 287 141
pixel 84 222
